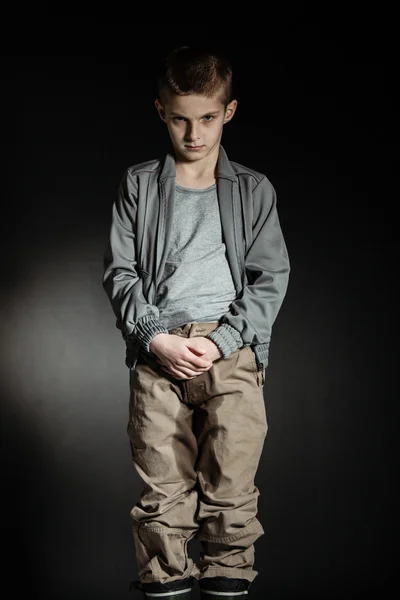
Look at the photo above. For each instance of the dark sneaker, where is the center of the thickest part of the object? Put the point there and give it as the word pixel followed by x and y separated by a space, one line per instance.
pixel 176 590
pixel 210 594
pixel 223 588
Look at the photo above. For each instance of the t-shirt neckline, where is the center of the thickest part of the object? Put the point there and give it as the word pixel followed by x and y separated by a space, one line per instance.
pixel 187 189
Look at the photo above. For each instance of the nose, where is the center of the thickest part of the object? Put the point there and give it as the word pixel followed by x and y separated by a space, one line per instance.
pixel 191 133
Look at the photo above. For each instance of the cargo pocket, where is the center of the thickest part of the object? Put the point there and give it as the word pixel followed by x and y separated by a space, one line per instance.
pixel 164 550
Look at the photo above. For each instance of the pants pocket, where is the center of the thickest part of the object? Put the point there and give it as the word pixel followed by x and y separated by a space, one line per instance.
pixel 258 373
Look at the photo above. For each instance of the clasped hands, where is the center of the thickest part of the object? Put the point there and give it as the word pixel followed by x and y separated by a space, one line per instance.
pixel 184 358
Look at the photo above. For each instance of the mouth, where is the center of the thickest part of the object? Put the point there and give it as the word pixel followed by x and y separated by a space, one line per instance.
pixel 193 147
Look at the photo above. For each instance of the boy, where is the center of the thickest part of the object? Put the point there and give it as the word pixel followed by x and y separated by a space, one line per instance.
pixel 196 270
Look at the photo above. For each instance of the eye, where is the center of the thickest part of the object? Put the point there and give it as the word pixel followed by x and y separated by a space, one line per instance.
pixel 208 118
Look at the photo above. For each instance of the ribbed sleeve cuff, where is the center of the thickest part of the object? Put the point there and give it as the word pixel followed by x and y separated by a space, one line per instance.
pixel 146 329
pixel 227 338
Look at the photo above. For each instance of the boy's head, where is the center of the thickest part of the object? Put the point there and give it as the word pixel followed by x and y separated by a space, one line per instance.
pixel 195 99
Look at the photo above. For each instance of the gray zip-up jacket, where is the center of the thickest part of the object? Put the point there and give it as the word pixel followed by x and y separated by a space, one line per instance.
pixel 137 250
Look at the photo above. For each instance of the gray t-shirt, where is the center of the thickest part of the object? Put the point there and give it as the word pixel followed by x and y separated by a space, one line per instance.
pixel 196 284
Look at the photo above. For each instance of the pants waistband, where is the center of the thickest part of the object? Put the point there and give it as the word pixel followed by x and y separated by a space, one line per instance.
pixel 195 329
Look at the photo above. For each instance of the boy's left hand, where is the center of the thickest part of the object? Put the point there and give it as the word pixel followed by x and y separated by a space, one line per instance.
pixel 212 353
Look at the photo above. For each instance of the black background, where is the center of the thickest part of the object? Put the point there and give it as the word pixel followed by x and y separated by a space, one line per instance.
pixel 317 115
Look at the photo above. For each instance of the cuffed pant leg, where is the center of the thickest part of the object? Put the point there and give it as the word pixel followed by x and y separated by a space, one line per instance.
pixel 164 450
pixel 231 427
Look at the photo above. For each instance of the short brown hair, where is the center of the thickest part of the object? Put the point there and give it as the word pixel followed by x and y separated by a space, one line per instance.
pixel 195 70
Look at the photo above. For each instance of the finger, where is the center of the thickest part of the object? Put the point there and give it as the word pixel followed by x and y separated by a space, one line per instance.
pixel 186 372
pixel 197 361
pixel 197 364
pixel 188 365
pixel 197 351
pixel 178 374
pixel 194 363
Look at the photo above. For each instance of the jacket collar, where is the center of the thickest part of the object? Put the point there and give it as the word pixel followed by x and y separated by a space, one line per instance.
pixel 224 167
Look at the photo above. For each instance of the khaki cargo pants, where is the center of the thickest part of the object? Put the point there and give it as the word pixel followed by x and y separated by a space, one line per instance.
pixel 196 445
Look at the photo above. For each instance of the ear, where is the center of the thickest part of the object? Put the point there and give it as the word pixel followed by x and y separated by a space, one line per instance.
pixel 160 109
pixel 230 110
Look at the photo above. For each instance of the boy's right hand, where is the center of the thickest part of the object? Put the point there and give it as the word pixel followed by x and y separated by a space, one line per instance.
pixel 181 357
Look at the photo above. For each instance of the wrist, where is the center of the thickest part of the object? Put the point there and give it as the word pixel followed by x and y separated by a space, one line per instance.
pixel 157 340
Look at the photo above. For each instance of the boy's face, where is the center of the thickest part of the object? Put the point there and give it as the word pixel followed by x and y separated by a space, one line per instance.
pixel 195 120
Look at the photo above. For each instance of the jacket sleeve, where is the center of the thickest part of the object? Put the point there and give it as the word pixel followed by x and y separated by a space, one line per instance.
pixel 136 318
pixel 252 315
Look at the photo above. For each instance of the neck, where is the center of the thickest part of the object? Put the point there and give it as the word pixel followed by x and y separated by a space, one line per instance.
pixel 202 169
